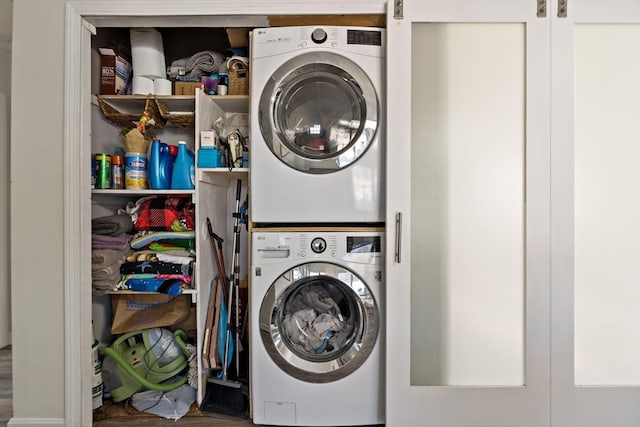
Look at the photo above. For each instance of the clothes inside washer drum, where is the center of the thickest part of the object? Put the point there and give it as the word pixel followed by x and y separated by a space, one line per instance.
pixel 315 323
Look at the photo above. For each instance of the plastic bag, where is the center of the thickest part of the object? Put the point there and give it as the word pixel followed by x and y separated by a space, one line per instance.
pixel 172 405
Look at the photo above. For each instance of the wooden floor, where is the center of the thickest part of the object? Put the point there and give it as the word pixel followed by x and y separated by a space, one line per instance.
pixel 6 386
pixel 113 415
pixel 110 415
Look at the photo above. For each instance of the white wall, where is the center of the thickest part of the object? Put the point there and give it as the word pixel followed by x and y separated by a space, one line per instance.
pixel 36 208
pixel 6 13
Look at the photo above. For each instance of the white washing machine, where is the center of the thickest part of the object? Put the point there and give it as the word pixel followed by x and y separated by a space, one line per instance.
pixel 316 328
pixel 317 125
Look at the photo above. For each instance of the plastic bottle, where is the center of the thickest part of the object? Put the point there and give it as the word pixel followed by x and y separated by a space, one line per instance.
pixel 184 170
pixel 160 166
pixel 117 171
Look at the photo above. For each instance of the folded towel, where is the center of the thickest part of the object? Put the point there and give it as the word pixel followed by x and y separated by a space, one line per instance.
pixel 155 267
pixel 139 254
pixel 112 225
pixel 107 281
pixel 101 258
pixel 175 259
pixel 110 272
pixel 103 286
pixel 120 242
pixel 145 239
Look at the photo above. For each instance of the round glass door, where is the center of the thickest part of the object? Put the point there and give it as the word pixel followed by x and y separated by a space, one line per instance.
pixel 319 322
pixel 319 112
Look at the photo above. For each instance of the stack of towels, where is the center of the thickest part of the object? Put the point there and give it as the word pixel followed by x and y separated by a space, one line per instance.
pixel 163 246
pixel 110 247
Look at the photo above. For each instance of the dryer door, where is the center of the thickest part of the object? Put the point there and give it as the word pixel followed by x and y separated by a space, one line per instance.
pixel 319 112
pixel 319 322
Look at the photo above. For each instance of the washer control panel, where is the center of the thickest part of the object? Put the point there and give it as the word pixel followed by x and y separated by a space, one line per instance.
pixel 357 246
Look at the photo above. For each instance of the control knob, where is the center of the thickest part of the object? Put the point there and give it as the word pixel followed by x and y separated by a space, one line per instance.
pixel 318 245
pixel 319 36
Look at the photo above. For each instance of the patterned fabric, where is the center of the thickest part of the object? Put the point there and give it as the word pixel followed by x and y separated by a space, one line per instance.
pixel 170 213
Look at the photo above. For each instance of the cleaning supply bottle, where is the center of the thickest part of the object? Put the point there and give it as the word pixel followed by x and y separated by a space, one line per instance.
pixel 160 166
pixel 184 170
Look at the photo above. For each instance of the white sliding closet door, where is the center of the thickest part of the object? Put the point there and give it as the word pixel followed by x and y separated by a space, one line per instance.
pixel 468 202
pixel 596 214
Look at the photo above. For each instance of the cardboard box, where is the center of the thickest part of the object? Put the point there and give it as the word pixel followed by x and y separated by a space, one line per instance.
pixel 186 88
pixel 115 73
pixel 207 138
pixel 238 37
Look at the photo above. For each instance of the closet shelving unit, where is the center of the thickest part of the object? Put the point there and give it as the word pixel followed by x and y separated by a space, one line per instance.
pixel 214 195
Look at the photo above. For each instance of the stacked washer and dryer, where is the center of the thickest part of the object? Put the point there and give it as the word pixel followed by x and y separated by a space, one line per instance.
pixel 317 208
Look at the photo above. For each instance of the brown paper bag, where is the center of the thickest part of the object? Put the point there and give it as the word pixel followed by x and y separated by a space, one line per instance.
pixel 132 312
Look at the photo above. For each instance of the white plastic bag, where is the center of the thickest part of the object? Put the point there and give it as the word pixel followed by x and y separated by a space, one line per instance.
pixel 173 404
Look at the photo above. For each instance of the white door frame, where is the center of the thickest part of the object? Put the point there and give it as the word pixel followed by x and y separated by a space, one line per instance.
pixel 5 250
pixel 5 282
pixel 80 17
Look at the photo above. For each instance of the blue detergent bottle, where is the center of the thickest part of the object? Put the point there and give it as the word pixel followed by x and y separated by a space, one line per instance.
pixel 160 166
pixel 184 169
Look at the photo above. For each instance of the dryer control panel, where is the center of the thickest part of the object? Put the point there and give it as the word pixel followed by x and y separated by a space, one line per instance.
pixel 353 40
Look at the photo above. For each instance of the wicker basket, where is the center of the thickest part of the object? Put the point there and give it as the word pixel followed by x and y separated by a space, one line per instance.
pixel 238 80
pixel 181 120
pixel 130 120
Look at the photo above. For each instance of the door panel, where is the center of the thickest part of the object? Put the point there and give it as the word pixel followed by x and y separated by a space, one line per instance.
pixel 468 156
pixel 470 307
pixel 596 321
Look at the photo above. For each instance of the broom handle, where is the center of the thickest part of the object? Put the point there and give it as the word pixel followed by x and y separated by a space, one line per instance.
pixel 236 272
pixel 228 334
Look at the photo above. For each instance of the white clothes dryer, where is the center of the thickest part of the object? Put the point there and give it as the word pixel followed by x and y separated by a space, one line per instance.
pixel 317 125
pixel 316 328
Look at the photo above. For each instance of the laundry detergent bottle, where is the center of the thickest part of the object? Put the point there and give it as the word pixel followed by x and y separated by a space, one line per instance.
pixel 160 166
pixel 183 176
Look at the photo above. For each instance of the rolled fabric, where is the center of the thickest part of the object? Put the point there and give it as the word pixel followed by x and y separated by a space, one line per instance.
pixel 204 62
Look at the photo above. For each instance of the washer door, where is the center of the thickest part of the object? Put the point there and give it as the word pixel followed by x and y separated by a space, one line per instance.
pixel 319 322
pixel 318 112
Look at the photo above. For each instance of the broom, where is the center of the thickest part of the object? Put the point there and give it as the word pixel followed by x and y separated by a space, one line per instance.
pixel 223 396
